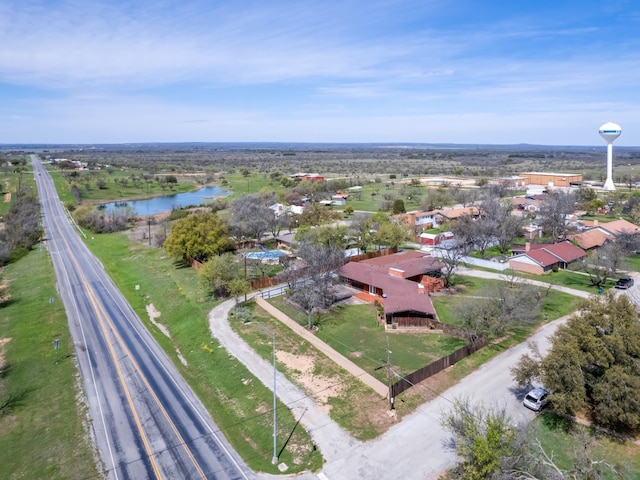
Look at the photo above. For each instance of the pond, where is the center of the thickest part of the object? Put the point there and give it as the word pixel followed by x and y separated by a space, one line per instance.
pixel 151 206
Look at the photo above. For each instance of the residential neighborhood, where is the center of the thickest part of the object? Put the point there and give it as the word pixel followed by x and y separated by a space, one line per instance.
pixel 356 286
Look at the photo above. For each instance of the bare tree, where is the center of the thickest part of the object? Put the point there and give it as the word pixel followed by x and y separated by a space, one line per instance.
pixel 554 212
pixel 492 446
pixel 499 307
pixel 311 284
pixel 475 233
pixel 628 242
pixel 500 224
pixel 437 198
pixel 250 216
pixel 487 440
pixel 451 257
pixel 309 299
pixel 278 223
pixel 602 263
pixel 464 196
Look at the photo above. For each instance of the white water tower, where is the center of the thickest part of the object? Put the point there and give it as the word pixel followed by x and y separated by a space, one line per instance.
pixel 610 131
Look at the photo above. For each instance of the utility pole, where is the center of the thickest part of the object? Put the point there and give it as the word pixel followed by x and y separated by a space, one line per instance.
pixel 391 399
pixel 387 366
pixel 274 459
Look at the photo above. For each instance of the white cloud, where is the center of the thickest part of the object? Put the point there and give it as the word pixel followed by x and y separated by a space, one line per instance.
pixel 283 70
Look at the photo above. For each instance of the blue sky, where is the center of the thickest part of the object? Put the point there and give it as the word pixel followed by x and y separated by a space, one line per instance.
pixel 456 71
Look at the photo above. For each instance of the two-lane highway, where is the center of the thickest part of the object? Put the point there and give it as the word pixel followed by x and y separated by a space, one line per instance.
pixel 146 421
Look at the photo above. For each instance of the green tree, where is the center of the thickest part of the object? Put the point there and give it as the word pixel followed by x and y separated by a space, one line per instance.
pixel 238 287
pixel 484 438
pixel 593 365
pixel 391 234
pixel 220 274
pixel 316 214
pixel 398 206
pixel 198 236
pixel 328 236
pixel 493 447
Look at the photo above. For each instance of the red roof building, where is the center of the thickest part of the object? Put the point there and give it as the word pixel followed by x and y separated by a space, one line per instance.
pixel 396 281
pixel 540 258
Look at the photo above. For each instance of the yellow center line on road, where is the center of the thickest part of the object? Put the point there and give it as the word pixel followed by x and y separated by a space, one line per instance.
pixel 103 317
pixel 135 365
pixel 116 363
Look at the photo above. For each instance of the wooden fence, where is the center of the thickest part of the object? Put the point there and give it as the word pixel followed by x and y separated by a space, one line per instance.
pixel 423 373
pixel 374 254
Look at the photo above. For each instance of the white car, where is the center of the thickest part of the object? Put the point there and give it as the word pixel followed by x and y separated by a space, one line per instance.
pixel 536 399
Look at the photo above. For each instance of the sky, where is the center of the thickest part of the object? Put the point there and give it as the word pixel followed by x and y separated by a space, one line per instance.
pixel 457 71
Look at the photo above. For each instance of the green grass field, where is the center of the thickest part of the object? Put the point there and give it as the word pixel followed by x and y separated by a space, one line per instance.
pixel 563 440
pixel 567 278
pixel 353 332
pixel 114 188
pixel 43 435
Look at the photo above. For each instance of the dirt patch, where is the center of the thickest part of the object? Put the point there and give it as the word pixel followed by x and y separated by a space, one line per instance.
pixel 2 343
pixel 7 197
pixel 153 314
pixel 302 367
pixel 158 228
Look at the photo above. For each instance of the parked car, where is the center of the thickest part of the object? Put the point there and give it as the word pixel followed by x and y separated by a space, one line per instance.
pixel 536 399
pixel 624 282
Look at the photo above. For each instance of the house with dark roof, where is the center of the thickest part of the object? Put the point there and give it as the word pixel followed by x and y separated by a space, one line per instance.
pixel 540 258
pixel 400 283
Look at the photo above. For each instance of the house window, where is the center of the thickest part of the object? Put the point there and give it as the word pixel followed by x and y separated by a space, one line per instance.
pixel 372 289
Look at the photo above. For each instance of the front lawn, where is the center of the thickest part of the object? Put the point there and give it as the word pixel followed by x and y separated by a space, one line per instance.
pixel 352 330
pixel 567 278
pixel 350 403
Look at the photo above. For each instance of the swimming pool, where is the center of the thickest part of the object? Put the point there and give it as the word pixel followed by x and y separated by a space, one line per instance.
pixel 271 254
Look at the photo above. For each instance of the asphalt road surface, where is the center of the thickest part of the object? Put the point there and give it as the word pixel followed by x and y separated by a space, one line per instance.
pixel 146 421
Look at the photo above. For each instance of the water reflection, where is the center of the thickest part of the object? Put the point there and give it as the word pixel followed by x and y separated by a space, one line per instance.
pixel 166 203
